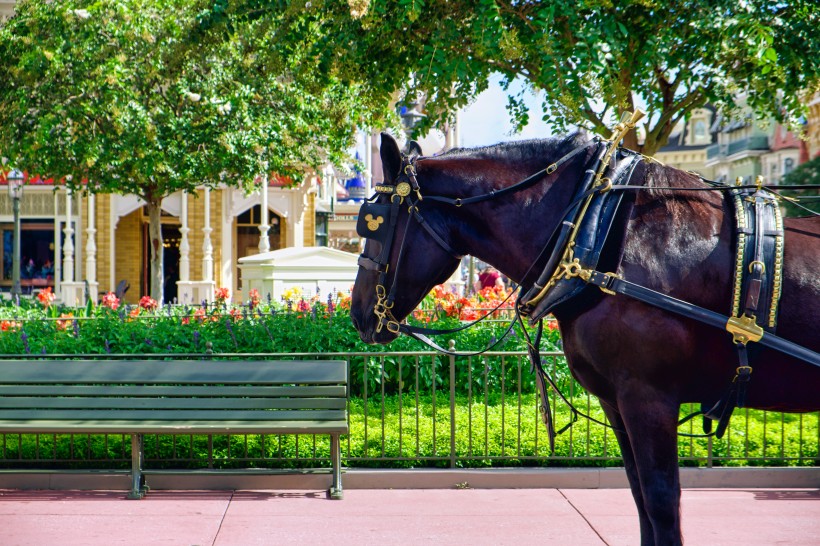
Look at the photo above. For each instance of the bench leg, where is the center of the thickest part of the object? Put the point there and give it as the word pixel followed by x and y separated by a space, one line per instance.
pixel 138 486
pixel 335 491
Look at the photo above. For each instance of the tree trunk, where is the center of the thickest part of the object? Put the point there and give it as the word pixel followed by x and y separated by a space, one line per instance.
pixel 157 277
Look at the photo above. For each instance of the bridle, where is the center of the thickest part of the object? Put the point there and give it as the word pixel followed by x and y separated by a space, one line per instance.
pixel 378 221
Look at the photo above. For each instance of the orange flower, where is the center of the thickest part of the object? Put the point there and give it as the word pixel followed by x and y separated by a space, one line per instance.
pixel 7 325
pixel 46 296
pixel 63 324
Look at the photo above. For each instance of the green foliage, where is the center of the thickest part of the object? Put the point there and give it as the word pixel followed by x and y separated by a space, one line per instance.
pixel 591 60
pixel 400 413
pixel 115 97
pixel 318 328
pixel 806 173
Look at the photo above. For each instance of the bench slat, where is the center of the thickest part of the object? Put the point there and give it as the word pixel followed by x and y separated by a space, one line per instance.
pixel 139 415
pixel 270 372
pixel 187 426
pixel 303 391
pixel 108 403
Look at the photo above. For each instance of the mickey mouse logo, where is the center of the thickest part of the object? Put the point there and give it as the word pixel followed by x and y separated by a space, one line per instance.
pixel 373 223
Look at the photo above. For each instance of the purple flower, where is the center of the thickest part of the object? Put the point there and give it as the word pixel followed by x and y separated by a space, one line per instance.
pixel 24 337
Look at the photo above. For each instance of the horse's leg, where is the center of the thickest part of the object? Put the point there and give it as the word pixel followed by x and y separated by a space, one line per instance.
pixel 650 419
pixel 647 535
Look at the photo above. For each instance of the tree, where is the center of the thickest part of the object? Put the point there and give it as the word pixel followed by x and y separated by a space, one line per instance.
pixel 807 173
pixel 592 59
pixel 117 97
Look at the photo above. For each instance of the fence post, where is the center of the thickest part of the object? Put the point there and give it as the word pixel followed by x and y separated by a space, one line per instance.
pixel 452 404
pixel 709 460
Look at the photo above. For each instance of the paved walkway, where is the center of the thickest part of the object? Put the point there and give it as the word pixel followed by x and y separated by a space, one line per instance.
pixel 576 517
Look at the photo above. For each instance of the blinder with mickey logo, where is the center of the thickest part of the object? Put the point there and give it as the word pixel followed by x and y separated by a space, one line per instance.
pixel 374 221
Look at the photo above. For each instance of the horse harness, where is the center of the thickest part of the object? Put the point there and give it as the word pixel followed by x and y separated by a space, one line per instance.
pixel 577 245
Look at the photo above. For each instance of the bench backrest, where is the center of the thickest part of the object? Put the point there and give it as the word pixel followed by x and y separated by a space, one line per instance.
pixel 247 391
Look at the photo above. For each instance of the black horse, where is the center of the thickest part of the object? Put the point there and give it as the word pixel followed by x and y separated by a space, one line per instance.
pixel 641 362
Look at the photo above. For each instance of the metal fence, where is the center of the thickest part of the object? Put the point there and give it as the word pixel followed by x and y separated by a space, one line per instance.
pixel 423 409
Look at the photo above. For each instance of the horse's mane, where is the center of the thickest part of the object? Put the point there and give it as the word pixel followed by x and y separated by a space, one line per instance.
pixel 521 151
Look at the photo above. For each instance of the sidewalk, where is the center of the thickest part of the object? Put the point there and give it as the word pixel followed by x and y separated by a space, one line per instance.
pixel 574 517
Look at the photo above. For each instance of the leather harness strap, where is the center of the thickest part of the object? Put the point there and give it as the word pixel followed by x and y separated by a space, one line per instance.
pixel 612 283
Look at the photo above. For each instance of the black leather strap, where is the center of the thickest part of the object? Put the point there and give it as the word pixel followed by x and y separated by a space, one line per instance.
pixel 608 281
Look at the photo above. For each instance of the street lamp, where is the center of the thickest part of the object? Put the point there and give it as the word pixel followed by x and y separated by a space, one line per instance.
pixel 15 179
pixel 411 116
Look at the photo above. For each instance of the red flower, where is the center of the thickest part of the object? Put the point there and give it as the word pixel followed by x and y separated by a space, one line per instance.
pixel 7 325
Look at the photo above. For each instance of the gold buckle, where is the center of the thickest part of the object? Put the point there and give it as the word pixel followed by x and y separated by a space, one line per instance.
pixel 607 290
pixel 744 329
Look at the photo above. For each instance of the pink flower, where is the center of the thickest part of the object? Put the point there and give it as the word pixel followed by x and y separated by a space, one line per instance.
pixel 222 294
pixel 148 303
pixel 110 300
pixel 253 294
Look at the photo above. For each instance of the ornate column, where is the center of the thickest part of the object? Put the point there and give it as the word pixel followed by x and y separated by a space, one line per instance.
pixel 264 227
pixel 207 247
pixel 68 246
pixel 71 291
pixel 184 245
pixel 185 289
pixel 91 249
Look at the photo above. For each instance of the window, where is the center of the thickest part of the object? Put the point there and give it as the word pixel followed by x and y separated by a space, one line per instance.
pixel 247 235
pixel 36 254
pixel 788 165
pixel 700 132
pixel 322 224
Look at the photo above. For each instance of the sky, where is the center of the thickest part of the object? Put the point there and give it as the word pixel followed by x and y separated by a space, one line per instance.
pixel 486 120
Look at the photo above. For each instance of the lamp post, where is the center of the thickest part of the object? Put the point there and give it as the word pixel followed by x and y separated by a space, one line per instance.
pixel 15 178
pixel 410 116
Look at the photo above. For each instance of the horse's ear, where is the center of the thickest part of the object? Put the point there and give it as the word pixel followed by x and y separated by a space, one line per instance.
pixel 414 149
pixel 391 158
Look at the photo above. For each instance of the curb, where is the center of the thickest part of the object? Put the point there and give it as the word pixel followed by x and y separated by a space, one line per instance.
pixel 357 478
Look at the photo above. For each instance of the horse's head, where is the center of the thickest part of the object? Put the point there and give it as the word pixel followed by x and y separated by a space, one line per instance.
pixel 402 259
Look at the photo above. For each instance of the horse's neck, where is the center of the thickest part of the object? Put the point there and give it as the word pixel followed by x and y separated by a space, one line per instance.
pixel 510 233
